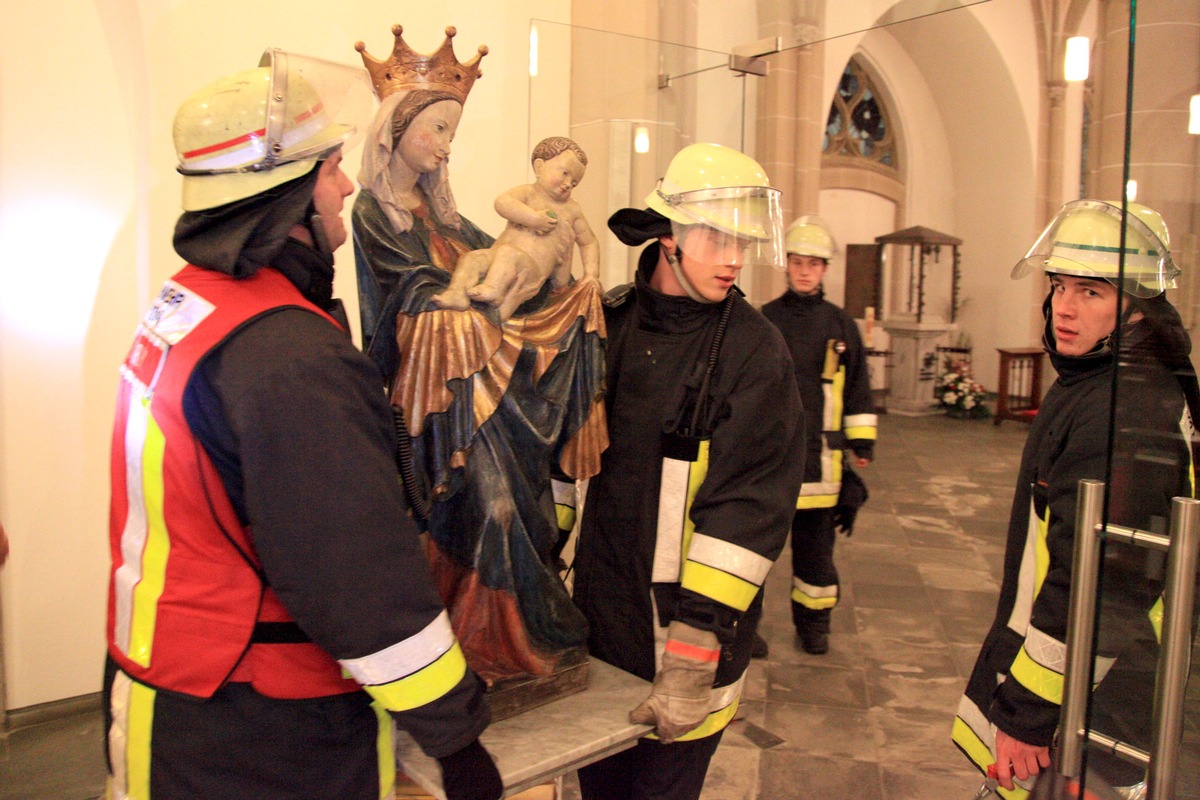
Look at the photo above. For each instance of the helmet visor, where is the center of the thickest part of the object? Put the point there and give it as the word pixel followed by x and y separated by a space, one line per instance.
pixel 745 224
pixel 312 106
pixel 1084 240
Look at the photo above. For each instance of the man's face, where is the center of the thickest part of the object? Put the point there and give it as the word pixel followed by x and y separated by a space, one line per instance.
pixel 332 188
pixel 805 273
pixel 560 175
pixel 711 261
pixel 1083 311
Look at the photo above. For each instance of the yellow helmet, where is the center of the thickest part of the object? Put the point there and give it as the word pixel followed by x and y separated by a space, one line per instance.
pixel 1084 239
pixel 810 236
pixel 259 128
pixel 726 190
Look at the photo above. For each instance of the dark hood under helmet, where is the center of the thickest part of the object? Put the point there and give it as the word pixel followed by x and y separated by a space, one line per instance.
pixel 240 237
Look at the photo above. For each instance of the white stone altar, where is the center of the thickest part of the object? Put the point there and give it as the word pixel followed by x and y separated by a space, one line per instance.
pixel 914 365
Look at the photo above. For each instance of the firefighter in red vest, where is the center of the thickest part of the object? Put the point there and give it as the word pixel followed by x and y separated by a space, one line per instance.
pixel 270 611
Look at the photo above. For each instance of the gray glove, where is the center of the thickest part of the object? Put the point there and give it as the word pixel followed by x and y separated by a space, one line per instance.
pixel 679 700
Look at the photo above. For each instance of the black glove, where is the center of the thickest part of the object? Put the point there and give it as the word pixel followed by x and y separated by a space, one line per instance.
pixel 850 499
pixel 470 774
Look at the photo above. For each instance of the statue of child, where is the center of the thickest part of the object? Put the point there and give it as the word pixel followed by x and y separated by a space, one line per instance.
pixel 544 223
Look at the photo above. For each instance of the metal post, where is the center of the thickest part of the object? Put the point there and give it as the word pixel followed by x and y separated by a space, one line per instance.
pixel 1077 674
pixel 1178 604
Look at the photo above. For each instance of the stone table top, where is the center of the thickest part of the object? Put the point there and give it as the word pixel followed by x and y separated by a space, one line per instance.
pixel 540 744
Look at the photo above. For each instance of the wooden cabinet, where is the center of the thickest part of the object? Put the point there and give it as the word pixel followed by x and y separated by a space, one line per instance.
pixel 1020 391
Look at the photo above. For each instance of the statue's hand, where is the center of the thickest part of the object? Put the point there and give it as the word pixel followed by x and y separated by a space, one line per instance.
pixel 546 223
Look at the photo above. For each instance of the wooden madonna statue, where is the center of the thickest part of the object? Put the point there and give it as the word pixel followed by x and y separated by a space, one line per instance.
pixel 503 405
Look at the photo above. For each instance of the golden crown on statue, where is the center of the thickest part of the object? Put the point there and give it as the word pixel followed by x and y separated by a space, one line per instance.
pixel 408 69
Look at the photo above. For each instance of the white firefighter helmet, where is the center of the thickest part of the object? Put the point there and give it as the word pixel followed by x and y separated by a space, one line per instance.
pixel 1084 239
pixel 259 128
pixel 810 236
pixel 727 191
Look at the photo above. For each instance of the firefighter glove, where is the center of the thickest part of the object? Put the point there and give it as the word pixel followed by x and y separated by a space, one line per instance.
pixel 851 498
pixel 679 699
pixel 470 774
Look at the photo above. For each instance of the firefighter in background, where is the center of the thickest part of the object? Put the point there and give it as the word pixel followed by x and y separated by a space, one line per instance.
pixel 264 569
pixel 1010 711
pixel 831 371
pixel 691 505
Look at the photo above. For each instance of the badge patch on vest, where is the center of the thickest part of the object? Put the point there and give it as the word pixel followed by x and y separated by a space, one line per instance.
pixel 175 313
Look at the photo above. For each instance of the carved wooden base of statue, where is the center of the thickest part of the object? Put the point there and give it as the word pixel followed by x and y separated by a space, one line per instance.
pixel 492 407
pixel 511 696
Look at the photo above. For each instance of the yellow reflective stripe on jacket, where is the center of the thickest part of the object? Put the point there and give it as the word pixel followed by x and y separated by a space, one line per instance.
pixel 413 672
pixel 1040 664
pixel 132 707
pixel 564 517
pixel 385 750
pixel 681 481
pixel 138 583
pixel 1156 618
pixel 814 597
pixel 975 749
pixel 564 504
pixel 861 426
pixel 717 585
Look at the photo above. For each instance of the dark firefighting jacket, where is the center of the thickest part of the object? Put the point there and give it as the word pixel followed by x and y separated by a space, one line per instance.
pixel 687 526
pixel 831 373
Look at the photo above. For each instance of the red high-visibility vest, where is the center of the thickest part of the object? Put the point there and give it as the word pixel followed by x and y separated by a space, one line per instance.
pixel 186 588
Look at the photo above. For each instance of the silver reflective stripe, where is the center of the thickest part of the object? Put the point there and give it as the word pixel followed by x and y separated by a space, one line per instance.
pixel 672 516
pixel 728 557
pixel 403 658
pixel 564 493
pixel 133 536
pixel 970 713
pixel 814 592
pixel 1022 611
pixel 1046 650
pixel 819 489
pixel 118 737
pixel 722 696
pixel 860 421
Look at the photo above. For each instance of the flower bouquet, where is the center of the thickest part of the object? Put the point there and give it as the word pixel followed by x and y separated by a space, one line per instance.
pixel 959 393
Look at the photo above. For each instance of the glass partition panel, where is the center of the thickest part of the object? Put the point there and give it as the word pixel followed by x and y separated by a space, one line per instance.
pixel 1139 150
pixel 633 103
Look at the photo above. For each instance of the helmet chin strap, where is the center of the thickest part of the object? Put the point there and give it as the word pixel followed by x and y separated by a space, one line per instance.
pixel 677 268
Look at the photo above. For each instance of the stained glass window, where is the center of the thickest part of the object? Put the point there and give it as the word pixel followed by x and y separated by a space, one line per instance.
pixel 858 124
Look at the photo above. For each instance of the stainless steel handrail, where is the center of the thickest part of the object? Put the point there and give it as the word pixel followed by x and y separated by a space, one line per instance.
pixel 1179 602
pixel 1077 673
pixel 1183 554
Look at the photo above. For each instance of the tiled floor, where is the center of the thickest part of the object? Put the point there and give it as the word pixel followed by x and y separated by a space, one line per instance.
pixel 868 721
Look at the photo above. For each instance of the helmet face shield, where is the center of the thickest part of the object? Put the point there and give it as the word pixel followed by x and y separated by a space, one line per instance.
pixel 742 225
pixel 262 127
pixel 1084 240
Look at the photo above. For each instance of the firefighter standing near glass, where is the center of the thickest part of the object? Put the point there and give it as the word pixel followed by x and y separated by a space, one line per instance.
pixel 831 371
pixel 264 569
pixel 695 491
pixel 1010 711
